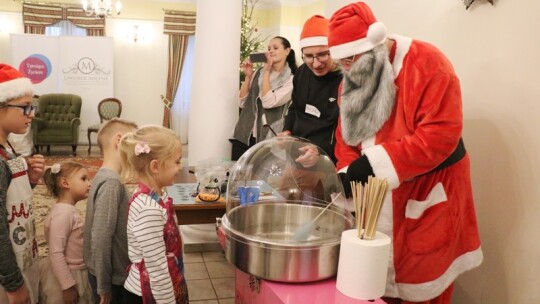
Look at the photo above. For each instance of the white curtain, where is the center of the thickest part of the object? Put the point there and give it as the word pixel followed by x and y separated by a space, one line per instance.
pixel 182 100
pixel 64 28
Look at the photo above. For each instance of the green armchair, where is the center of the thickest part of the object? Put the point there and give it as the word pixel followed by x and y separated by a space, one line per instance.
pixel 57 121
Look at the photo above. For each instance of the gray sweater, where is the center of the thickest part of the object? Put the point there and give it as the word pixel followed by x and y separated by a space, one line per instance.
pixel 10 275
pixel 105 238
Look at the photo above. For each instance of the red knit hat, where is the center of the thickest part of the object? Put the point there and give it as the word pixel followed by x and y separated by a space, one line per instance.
pixel 354 30
pixel 12 83
pixel 315 32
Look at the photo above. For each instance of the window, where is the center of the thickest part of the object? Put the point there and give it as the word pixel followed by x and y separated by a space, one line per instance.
pixel 64 28
pixel 182 100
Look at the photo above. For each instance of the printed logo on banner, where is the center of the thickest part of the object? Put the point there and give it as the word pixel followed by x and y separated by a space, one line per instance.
pixel 86 71
pixel 36 67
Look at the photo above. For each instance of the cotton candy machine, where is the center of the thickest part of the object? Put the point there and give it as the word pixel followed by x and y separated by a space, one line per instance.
pixel 275 190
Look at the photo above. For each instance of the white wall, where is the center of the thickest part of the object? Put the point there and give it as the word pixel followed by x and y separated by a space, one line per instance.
pixel 9 23
pixel 494 50
pixel 140 68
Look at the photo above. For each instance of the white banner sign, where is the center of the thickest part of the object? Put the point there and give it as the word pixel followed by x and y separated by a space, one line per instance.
pixel 67 64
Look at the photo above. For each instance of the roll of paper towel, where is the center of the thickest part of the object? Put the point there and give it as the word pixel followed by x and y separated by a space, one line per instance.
pixel 363 265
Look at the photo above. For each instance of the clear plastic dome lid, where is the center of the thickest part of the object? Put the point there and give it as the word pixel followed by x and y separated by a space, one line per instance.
pixel 285 212
pixel 284 170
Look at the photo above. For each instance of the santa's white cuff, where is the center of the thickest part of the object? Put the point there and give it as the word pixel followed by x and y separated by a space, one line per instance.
pixel 382 165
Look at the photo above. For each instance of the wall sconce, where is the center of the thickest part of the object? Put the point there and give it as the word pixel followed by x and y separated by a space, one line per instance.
pixel 134 33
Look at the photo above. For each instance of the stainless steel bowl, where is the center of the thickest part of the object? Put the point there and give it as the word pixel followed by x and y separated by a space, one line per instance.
pixel 259 240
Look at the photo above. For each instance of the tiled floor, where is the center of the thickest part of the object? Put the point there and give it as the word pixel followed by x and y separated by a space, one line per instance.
pixel 210 278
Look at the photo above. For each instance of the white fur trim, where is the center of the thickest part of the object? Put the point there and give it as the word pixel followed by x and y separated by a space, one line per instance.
pixel 429 290
pixel 386 223
pixel 313 41
pixel 343 170
pixel 386 226
pixel 15 88
pixel 415 209
pixel 382 165
pixel 403 44
pixel 368 142
pixel 376 35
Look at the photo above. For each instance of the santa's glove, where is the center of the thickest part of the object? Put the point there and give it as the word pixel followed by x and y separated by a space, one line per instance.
pixel 359 170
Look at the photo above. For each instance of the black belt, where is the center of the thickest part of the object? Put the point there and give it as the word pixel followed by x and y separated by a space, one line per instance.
pixel 456 156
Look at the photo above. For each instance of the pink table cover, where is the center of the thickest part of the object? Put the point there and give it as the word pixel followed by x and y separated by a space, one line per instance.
pixel 252 291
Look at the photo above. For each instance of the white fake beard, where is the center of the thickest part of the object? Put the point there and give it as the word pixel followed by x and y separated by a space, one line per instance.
pixel 368 96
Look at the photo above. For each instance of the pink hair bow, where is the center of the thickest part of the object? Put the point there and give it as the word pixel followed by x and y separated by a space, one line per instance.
pixel 141 148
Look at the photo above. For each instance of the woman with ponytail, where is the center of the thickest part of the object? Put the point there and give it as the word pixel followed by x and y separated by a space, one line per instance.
pixel 264 96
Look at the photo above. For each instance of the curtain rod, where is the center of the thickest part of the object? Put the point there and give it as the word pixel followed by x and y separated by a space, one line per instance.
pixel 49 3
pixel 170 11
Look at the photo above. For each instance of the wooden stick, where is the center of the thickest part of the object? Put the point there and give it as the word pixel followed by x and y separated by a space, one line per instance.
pixel 380 187
pixel 360 195
pixel 368 200
pixel 365 208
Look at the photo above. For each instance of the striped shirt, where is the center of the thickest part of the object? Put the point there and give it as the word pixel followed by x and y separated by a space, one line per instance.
pixel 146 220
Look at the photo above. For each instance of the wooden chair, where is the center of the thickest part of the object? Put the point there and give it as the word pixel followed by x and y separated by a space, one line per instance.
pixel 108 108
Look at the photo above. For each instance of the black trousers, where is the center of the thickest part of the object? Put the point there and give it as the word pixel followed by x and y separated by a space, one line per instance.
pixel 131 298
pixel 239 148
pixel 117 291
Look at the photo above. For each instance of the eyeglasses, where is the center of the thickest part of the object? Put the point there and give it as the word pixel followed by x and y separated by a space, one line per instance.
pixel 27 109
pixel 321 57
pixel 347 60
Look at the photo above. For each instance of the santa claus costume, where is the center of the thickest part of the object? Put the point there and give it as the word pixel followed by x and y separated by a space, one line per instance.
pixel 401 119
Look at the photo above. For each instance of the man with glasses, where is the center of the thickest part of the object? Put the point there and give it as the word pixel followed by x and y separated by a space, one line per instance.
pixel 401 120
pixel 313 112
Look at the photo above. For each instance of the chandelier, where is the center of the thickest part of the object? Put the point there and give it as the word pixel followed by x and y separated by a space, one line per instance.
pixel 101 8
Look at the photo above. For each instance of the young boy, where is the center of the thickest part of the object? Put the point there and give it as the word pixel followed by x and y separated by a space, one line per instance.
pixel 19 270
pixel 105 240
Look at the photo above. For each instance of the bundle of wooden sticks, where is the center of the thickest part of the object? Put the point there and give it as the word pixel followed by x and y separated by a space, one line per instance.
pixel 368 200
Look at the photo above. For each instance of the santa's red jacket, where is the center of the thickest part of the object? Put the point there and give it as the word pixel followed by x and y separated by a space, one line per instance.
pixel 428 213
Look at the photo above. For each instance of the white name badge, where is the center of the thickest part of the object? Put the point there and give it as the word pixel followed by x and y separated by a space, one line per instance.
pixel 313 111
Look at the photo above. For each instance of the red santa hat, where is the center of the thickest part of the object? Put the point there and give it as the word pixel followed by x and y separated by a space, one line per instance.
pixel 354 30
pixel 12 83
pixel 315 32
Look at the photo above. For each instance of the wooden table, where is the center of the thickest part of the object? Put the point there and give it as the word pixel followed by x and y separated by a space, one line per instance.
pixel 187 210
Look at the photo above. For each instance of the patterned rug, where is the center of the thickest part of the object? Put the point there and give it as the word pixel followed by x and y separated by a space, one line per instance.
pixel 42 201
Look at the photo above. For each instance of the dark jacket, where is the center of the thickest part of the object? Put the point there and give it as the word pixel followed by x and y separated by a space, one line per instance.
pixel 314 111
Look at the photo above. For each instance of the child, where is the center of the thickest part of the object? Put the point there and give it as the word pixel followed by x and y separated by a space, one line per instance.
pixel 69 183
pixel 105 238
pixel 156 275
pixel 19 270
